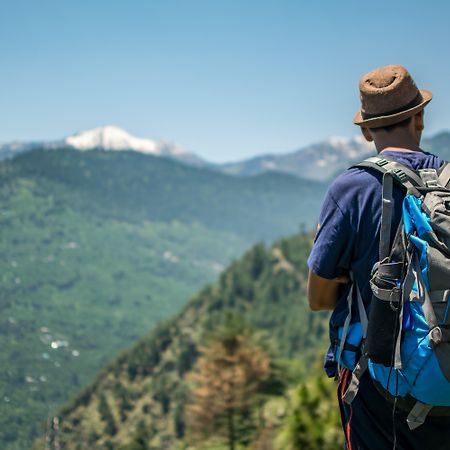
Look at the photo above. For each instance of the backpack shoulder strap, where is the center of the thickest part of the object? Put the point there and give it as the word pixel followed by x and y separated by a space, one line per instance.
pixel 404 175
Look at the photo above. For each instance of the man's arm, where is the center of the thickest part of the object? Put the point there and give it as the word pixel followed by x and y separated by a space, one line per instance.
pixel 332 252
pixel 323 292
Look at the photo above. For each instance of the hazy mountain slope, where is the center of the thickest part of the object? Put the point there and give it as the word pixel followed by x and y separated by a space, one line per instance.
pixel 438 144
pixel 315 162
pixel 98 246
pixel 266 287
pixel 321 161
pixel 76 288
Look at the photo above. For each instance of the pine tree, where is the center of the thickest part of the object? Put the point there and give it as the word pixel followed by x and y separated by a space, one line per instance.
pixel 106 416
pixel 230 372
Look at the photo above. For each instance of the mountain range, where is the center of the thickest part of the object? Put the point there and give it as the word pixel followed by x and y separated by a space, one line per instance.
pixel 319 161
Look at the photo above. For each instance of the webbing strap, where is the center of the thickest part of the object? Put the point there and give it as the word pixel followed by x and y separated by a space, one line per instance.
pixel 362 313
pixel 444 175
pixel 357 373
pixel 346 323
pixel 386 215
pixel 361 366
pixel 404 175
pixel 417 415
pixel 362 316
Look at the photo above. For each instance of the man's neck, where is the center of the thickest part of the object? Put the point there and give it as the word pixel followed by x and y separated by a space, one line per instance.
pixel 401 144
pixel 399 149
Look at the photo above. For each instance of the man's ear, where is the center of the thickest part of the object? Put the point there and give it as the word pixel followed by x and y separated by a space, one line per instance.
pixel 418 120
pixel 367 134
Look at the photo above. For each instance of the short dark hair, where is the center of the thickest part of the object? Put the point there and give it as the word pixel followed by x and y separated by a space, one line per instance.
pixel 403 124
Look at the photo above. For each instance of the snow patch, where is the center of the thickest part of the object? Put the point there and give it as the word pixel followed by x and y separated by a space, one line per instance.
pixel 114 138
pixel 271 165
pixel 338 141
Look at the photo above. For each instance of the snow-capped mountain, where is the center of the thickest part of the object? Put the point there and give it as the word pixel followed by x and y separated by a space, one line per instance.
pixel 108 138
pixel 114 138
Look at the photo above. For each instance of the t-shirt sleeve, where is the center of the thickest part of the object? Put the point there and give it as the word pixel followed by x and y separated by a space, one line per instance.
pixel 334 242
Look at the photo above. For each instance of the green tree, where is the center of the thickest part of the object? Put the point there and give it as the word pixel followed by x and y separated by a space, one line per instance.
pixel 313 421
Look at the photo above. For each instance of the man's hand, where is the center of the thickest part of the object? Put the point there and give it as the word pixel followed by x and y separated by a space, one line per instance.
pixel 323 292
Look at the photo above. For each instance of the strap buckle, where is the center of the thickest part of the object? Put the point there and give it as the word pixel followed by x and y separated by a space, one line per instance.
pixel 381 162
pixel 400 174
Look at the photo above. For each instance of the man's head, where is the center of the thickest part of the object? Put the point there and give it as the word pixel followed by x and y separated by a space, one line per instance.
pixel 391 105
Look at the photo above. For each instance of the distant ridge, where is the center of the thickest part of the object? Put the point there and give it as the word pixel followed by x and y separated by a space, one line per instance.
pixel 319 161
pixel 323 160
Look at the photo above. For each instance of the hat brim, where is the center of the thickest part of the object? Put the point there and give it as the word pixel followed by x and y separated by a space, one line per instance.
pixel 384 121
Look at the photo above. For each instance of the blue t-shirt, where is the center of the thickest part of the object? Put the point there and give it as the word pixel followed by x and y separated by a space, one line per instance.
pixel 349 232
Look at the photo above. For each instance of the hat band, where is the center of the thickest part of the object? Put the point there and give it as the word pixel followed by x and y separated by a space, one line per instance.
pixel 416 101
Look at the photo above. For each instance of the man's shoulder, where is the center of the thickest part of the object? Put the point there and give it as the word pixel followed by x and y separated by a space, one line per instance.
pixel 353 181
pixel 356 175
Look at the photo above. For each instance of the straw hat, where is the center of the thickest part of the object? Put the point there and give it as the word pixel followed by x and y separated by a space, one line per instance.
pixel 388 96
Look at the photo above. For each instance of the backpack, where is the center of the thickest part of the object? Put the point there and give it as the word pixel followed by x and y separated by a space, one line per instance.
pixel 404 340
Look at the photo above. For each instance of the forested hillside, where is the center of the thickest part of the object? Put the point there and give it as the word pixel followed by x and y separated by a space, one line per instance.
pixel 133 187
pixel 255 316
pixel 98 247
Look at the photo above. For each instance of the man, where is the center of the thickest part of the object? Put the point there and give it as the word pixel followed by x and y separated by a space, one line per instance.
pixel 347 241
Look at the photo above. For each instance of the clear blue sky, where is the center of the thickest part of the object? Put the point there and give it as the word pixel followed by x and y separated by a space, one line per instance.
pixel 226 79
